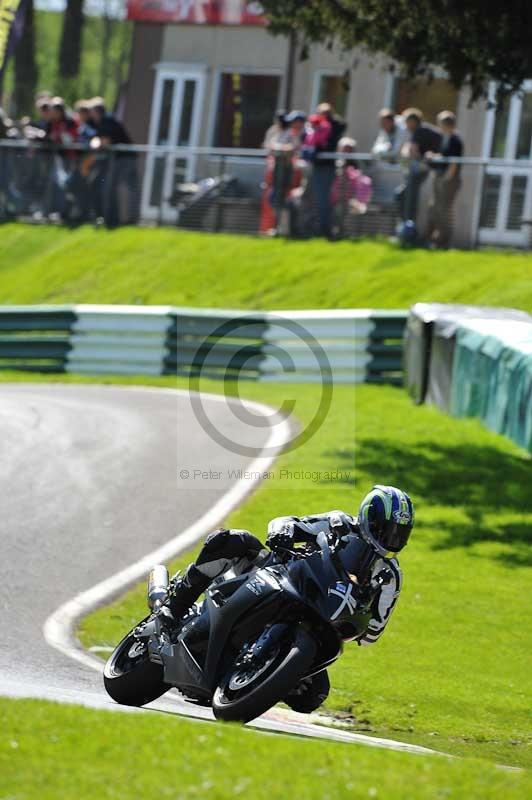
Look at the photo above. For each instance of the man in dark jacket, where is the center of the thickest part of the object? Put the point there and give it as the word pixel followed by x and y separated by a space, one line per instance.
pixel 446 182
pixel 116 168
pixel 424 138
pixel 324 170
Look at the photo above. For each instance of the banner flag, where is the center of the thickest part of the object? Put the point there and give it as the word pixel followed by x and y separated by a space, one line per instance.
pixel 11 27
pixel 197 12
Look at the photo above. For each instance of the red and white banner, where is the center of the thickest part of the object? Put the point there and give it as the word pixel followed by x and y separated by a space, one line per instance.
pixel 197 12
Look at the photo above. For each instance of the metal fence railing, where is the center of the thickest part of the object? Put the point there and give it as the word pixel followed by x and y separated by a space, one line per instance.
pixel 343 195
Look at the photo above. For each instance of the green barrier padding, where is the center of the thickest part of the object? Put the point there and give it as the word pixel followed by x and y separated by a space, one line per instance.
pixel 492 379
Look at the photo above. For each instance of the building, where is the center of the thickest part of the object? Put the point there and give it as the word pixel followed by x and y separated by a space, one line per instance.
pixel 211 75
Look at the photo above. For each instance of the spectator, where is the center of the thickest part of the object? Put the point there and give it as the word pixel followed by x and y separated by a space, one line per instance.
pixel 115 169
pixel 338 125
pixel 323 133
pixel 446 182
pixel 6 127
pixel 423 138
pixel 296 128
pixel 317 135
pixel 86 130
pixel 283 172
pixel 43 107
pixel 391 137
pixel 108 128
pixel 61 130
pixel 80 186
pixel 31 170
pixel 277 130
pixel 351 184
pixel 351 190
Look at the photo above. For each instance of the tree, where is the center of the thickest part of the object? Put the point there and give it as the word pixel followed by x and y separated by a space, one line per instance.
pixel 71 40
pixel 472 42
pixel 26 70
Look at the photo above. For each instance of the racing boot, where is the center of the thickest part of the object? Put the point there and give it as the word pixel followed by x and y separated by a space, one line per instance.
pixel 309 694
pixel 185 591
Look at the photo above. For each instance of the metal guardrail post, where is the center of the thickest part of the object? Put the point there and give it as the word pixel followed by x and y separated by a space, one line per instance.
pixel 219 213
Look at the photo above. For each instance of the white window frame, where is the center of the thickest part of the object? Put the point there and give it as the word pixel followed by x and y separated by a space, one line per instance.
pixel 178 72
pixel 499 234
pixel 216 87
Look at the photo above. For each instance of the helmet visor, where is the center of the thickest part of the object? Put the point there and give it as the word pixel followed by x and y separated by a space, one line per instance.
pixel 395 536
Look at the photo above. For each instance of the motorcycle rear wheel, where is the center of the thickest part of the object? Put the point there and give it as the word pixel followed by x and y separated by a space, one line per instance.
pixel 272 683
pixel 130 677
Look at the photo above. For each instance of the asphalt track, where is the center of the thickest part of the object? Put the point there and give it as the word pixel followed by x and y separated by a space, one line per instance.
pixel 93 482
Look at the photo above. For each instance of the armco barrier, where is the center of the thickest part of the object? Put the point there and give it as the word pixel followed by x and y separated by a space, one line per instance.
pixel 35 338
pixel 360 345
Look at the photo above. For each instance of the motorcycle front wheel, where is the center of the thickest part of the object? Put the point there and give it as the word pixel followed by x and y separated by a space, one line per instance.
pixel 247 692
pixel 130 677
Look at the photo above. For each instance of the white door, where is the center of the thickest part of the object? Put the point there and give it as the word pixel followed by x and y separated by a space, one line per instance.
pixel 506 202
pixel 175 122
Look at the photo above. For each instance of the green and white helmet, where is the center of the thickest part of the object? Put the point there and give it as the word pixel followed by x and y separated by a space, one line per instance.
pixel 386 517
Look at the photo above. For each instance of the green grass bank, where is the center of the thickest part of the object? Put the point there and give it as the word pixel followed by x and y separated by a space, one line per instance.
pixel 40 264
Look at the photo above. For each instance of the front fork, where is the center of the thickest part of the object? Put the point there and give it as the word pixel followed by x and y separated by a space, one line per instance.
pixel 254 652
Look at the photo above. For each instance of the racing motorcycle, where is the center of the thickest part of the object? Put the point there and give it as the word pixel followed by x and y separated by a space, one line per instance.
pixel 256 638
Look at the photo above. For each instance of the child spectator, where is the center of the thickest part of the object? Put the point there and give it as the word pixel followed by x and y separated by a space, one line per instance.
pixel 317 135
pixel 350 184
pixel 351 191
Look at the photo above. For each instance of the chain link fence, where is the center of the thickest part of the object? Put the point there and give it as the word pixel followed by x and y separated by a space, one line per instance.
pixel 342 195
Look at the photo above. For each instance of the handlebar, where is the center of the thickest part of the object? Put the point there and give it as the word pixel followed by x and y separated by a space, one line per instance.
pixel 301 552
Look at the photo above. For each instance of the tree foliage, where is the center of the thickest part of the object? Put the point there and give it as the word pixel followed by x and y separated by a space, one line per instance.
pixel 71 40
pixel 472 41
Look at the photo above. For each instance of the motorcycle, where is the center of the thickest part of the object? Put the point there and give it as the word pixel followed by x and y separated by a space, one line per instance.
pixel 256 638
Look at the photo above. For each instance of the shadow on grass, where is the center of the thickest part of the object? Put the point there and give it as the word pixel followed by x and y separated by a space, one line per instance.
pixel 480 479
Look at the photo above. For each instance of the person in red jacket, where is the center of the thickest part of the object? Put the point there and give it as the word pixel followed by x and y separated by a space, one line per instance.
pixel 61 129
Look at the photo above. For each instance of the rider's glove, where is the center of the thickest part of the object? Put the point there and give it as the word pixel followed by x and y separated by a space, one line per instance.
pixel 280 537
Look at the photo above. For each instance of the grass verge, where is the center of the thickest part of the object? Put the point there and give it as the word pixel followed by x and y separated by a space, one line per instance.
pixel 154 755
pixel 132 265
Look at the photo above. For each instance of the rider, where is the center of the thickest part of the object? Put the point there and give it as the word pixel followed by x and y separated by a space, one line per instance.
pixel 384 521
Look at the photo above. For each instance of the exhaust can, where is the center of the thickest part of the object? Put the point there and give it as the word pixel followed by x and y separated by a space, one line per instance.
pixel 158 585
